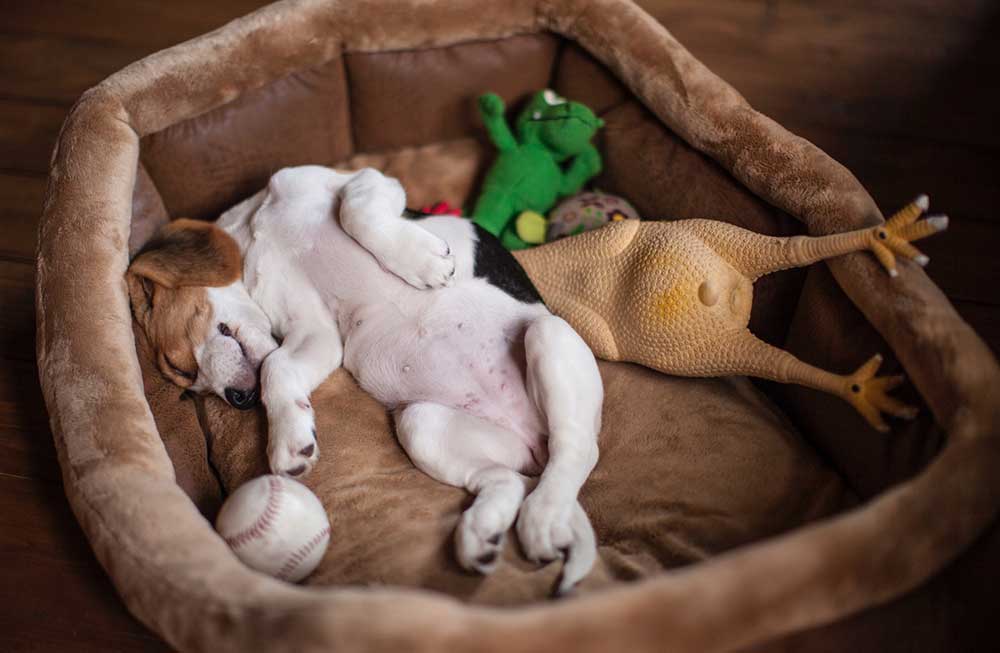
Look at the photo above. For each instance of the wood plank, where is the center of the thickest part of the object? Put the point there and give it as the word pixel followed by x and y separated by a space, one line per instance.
pixel 960 179
pixel 21 198
pixel 17 319
pixel 26 447
pixel 867 66
pixel 128 22
pixel 28 133
pixel 29 456
pixel 52 69
pixel 985 319
pixel 55 597
pixel 54 61
pixel 934 11
pixel 964 261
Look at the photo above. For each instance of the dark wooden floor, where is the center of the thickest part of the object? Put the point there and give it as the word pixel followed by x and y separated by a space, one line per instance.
pixel 904 92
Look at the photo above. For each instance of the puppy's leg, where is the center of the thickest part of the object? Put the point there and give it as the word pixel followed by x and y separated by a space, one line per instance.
pixel 462 450
pixel 371 209
pixel 310 351
pixel 565 384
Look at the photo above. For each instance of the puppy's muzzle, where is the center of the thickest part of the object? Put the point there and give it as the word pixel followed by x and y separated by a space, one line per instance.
pixel 242 399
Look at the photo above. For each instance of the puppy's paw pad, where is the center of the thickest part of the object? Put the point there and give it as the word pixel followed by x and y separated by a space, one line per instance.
pixel 293 465
pixel 479 538
pixel 292 447
pixel 477 554
pixel 295 471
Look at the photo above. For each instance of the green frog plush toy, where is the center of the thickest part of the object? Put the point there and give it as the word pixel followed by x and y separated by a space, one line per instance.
pixel 551 157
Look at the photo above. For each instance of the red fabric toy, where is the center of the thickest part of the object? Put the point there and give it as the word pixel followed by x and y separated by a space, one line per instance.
pixel 442 208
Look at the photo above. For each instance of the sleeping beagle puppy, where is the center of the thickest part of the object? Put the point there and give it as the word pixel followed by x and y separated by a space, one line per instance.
pixel 432 317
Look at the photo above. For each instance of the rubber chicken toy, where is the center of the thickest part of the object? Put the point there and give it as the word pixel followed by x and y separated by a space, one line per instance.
pixel 676 297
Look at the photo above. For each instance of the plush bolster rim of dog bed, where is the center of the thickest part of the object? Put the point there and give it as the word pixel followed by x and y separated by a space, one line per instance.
pixel 179 577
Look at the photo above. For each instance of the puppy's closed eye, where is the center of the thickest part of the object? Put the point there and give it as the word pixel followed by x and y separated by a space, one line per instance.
pixel 228 333
pixel 178 371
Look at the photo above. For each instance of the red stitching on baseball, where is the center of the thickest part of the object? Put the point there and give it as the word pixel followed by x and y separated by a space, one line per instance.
pixel 296 558
pixel 266 519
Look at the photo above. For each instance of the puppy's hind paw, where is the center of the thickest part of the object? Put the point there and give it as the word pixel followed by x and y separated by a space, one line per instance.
pixel 479 542
pixel 543 527
pixel 550 530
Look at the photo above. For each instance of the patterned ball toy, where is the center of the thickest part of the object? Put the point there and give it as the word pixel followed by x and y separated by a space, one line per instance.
pixel 587 211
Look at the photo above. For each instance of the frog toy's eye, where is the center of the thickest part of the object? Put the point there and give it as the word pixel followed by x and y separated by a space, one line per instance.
pixel 551 98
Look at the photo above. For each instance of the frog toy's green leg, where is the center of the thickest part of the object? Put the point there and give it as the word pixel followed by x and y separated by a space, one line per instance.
pixel 511 240
pixel 493 211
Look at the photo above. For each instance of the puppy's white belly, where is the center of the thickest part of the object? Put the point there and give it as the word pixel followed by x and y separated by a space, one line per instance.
pixel 461 346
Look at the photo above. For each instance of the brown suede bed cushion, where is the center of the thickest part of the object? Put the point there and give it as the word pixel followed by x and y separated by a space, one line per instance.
pixel 688 468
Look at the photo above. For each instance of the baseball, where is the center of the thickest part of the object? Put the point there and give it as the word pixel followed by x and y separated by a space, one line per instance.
pixel 275 525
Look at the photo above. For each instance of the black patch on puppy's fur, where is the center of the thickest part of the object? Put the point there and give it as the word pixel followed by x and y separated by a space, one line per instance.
pixel 499 267
pixel 495 264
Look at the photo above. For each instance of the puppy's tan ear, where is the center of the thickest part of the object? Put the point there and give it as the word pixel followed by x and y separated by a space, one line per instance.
pixel 140 293
pixel 188 253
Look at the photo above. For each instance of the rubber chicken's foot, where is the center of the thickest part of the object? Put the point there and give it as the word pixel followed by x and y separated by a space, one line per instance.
pixel 869 394
pixel 893 238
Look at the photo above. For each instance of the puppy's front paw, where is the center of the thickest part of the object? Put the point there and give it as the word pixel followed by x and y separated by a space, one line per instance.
pixel 543 526
pixel 421 259
pixel 292 449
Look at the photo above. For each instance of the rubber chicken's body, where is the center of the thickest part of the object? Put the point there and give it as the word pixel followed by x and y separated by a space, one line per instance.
pixel 676 296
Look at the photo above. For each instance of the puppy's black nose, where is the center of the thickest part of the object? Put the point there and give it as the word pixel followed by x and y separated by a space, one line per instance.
pixel 242 399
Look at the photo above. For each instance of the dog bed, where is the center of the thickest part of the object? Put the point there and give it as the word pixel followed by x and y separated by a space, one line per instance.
pixel 729 516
